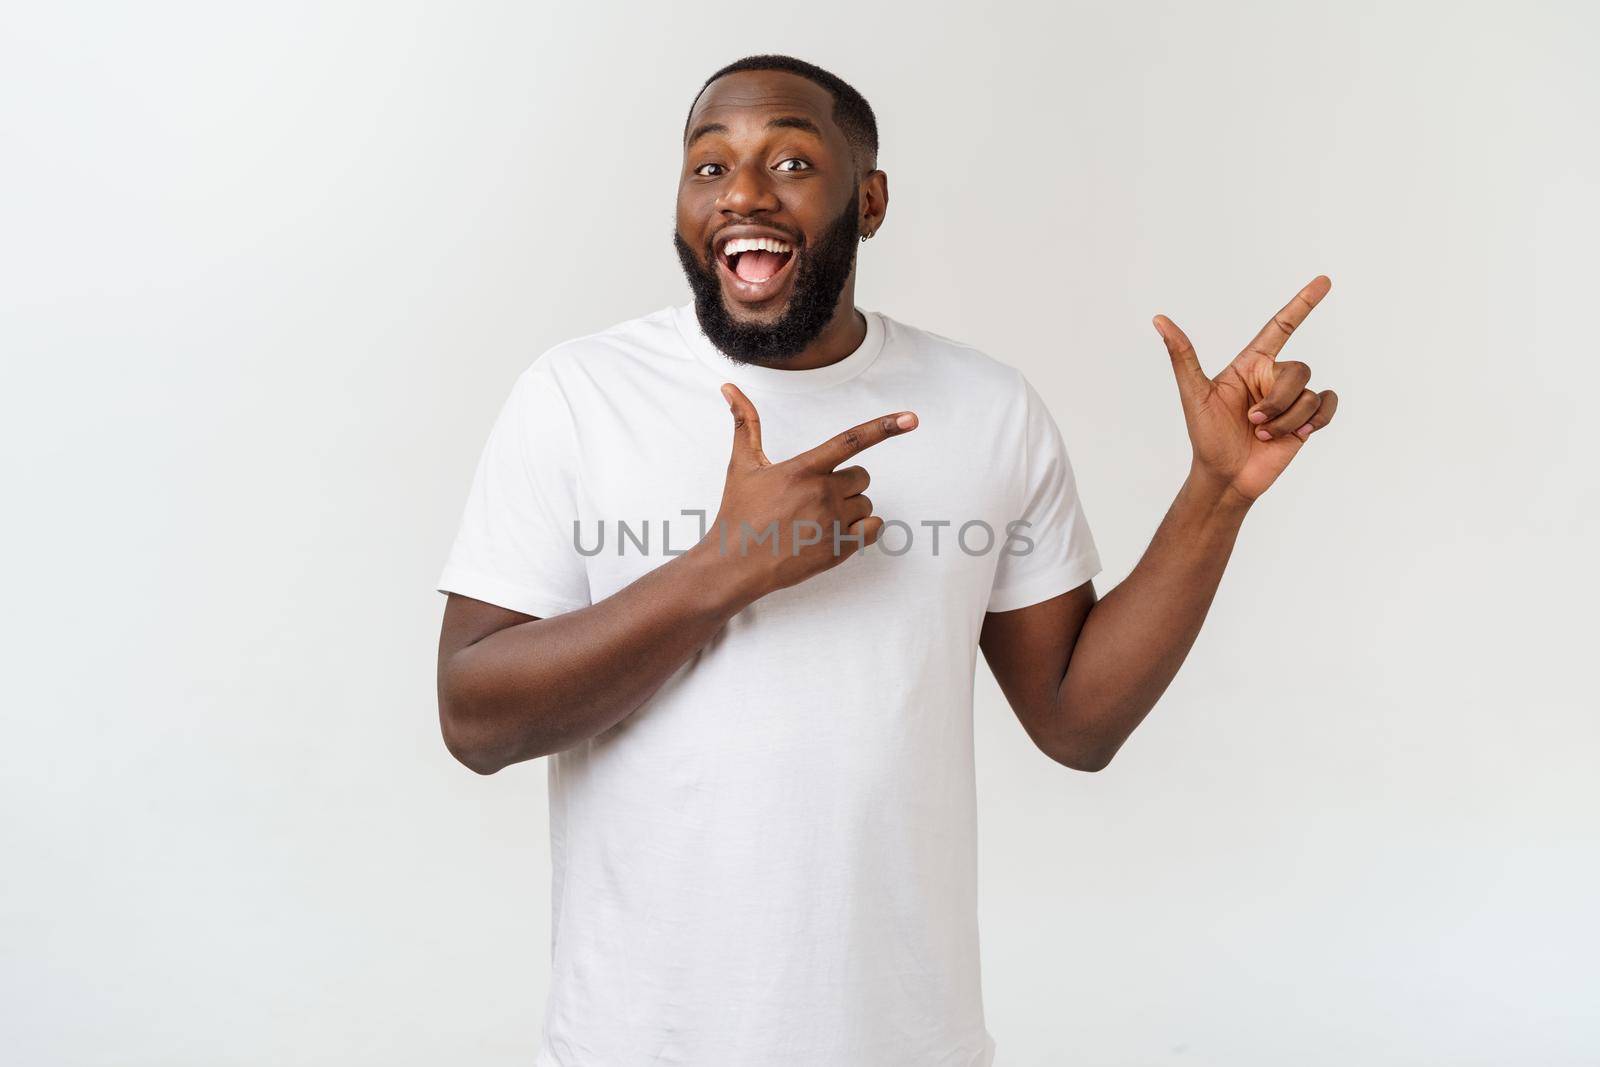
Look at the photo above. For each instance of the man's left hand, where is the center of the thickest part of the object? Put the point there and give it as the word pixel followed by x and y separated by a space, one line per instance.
pixel 1248 422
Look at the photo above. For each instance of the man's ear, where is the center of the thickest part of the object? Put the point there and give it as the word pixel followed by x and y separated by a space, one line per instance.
pixel 874 200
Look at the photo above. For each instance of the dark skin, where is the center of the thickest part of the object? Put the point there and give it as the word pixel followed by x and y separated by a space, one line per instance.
pixel 762 152
pixel 1080 673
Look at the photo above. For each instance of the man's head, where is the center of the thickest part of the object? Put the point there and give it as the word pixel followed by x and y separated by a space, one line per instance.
pixel 779 182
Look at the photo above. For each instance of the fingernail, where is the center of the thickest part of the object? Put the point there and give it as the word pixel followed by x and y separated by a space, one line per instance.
pixel 906 421
pixel 1258 416
pixel 1305 431
pixel 1264 435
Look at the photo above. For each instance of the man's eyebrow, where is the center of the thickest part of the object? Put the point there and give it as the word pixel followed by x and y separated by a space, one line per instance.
pixel 791 122
pixel 703 129
pixel 795 122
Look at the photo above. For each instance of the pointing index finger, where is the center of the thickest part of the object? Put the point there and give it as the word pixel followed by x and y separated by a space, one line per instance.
pixel 1269 342
pixel 841 447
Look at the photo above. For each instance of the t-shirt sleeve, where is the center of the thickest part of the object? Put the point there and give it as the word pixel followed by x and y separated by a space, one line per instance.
pixel 515 545
pixel 1051 550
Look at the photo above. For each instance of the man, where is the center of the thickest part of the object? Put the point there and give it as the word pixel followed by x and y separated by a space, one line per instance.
pixel 762 810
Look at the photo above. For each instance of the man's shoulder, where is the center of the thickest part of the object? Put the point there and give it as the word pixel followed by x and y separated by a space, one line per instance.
pixel 934 353
pixel 650 337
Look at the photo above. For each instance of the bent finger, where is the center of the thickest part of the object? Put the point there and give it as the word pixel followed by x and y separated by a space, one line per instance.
pixel 1302 409
pixel 1288 382
pixel 855 508
pixel 868 529
pixel 1322 416
pixel 851 480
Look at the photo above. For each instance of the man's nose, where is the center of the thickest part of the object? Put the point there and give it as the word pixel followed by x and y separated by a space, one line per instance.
pixel 748 192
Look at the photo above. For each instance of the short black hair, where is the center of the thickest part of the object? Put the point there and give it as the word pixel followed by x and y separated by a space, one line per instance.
pixel 851 112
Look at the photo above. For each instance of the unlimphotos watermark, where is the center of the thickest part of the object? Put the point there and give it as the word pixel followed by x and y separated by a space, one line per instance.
pixel 973 537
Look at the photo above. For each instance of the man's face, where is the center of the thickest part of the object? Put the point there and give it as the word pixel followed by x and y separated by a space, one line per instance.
pixel 768 206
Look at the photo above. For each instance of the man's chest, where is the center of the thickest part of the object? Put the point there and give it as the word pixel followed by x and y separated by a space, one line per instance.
pixel 652 487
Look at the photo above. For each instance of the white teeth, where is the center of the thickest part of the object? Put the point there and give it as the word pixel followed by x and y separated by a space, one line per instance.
pixel 755 244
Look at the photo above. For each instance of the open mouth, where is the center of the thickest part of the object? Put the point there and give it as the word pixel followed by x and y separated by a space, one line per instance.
pixel 756 266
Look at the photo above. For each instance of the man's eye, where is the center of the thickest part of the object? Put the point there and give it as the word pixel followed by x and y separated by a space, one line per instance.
pixel 701 169
pixel 802 164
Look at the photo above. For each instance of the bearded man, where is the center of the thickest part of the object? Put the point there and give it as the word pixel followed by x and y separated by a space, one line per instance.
pixel 762 809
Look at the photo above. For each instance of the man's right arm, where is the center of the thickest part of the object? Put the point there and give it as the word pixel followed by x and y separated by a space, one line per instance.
pixel 513 687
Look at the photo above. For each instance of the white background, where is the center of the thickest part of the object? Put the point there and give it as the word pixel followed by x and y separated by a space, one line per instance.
pixel 268 272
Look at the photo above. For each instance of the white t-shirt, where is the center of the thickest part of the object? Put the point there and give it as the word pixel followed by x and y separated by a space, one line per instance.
pixel 773 861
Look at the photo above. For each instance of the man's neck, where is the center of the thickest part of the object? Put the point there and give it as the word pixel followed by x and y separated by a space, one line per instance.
pixel 841 336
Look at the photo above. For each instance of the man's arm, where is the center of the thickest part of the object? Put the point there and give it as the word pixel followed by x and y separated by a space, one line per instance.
pixel 513 687
pixel 1081 675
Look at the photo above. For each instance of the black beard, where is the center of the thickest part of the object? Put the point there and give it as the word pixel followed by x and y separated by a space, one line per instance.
pixel 822 272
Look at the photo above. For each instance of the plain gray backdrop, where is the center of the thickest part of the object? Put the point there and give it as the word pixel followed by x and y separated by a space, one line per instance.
pixel 269 271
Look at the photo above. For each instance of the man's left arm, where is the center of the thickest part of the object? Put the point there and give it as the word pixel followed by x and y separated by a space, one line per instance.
pixel 1081 674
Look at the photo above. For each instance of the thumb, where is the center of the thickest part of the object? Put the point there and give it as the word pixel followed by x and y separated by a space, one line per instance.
pixel 746 426
pixel 1192 381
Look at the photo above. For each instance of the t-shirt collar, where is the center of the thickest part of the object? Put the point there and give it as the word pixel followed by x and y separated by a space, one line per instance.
pixel 777 378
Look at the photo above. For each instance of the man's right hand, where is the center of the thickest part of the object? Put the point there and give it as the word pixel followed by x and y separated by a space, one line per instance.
pixel 777 522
